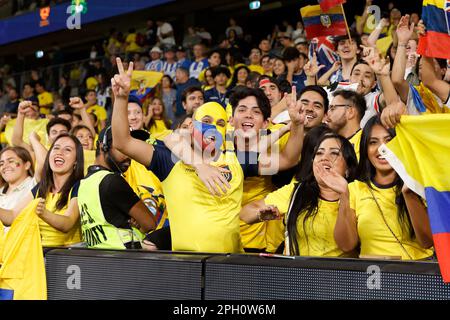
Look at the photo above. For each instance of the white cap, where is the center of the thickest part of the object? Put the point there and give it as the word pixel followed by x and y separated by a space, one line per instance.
pixel 156 49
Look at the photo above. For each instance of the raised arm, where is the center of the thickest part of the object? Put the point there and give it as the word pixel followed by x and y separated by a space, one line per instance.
pixel 17 135
pixel 404 33
pixel 429 78
pixel 62 222
pixel 136 149
pixel 360 24
pixel 290 155
pixel 373 37
pixel 77 104
pixel 40 153
pixel 311 70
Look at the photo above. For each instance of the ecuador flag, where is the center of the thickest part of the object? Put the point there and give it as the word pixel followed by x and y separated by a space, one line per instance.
pixel 420 153
pixel 436 17
pixel 326 5
pixel 319 24
pixel 143 82
pixel 22 271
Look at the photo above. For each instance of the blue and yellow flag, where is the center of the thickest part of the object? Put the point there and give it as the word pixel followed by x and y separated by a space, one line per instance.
pixel 436 17
pixel 420 153
pixel 22 271
pixel 143 82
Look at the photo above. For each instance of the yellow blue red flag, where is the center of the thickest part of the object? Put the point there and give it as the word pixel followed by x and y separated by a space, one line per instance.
pixel 436 17
pixel 420 153
pixel 22 271
pixel 143 83
pixel 320 24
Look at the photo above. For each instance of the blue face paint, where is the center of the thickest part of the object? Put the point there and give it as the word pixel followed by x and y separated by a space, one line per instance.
pixel 205 129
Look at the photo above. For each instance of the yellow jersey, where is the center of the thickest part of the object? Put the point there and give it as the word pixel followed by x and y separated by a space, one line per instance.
pixel 89 159
pixel 200 221
pixel 158 126
pixel 256 68
pixel 355 140
pixel 52 237
pixel 374 234
pixel 316 236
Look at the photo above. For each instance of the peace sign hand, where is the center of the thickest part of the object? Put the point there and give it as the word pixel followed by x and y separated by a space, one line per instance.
pixel 295 109
pixel 121 82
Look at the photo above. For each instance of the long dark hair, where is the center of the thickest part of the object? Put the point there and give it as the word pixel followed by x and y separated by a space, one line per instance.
pixel 47 183
pixel 23 155
pixel 366 173
pixel 164 117
pixel 305 198
pixel 234 79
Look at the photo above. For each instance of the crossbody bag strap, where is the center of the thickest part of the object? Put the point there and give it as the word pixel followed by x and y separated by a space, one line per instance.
pixel 387 225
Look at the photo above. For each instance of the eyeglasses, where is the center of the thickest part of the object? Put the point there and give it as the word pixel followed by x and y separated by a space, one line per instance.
pixel 333 107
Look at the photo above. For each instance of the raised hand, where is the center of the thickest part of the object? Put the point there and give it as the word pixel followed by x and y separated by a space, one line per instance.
pixel 23 108
pixel 421 29
pixel 269 213
pixel 34 136
pixel 390 116
pixel 331 179
pixel 121 82
pixel 404 30
pixel 76 103
pixel 213 178
pixel 295 109
pixel 311 68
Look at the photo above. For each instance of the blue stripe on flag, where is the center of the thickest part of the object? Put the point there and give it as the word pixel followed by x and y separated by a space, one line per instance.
pixel 434 18
pixel 6 294
pixel 316 19
pixel 438 210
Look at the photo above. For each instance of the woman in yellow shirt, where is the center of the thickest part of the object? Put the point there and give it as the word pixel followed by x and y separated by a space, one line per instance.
pixel 311 207
pixel 377 211
pixel 58 190
pixel 157 122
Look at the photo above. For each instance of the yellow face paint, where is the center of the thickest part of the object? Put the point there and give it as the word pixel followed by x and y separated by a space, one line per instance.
pixel 216 112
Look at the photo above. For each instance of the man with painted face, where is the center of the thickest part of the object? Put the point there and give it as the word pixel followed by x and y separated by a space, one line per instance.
pixel 199 221
pixel 109 208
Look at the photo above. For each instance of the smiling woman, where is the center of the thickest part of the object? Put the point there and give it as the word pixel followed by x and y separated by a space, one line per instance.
pixel 16 168
pixel 58 190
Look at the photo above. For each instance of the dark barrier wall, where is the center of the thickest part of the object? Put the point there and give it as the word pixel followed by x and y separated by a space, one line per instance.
pixel 97 275
pixel 101 275
pixel 321 278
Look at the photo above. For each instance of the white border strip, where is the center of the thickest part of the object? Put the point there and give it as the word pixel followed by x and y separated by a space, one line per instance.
pixel 401 170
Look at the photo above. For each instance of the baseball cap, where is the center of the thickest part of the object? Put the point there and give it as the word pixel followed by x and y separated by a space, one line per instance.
pixel 133 99
pixel 181 49
pixel 156 49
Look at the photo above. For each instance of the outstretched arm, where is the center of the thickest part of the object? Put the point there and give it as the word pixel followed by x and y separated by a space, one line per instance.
pixel 136 149
pixel 17 135
pixel 40 154
pixel 77 104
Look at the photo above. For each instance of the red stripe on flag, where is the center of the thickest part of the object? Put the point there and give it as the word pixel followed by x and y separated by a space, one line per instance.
pixel 326 5
pixel 442 247
pixel 318 30
pixel 434 45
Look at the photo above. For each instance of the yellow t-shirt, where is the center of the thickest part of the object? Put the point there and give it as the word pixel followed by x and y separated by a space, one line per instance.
pixel 45 99
pixel 29 125
pixel 200 221
pixel 316 237
pixel 158 126
pixel 255 188
pixel 355 140
pixel 99 112
pixel 52 237
pixel 374 235
pixel 149 189
pixel 256 68
pixel 89 159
